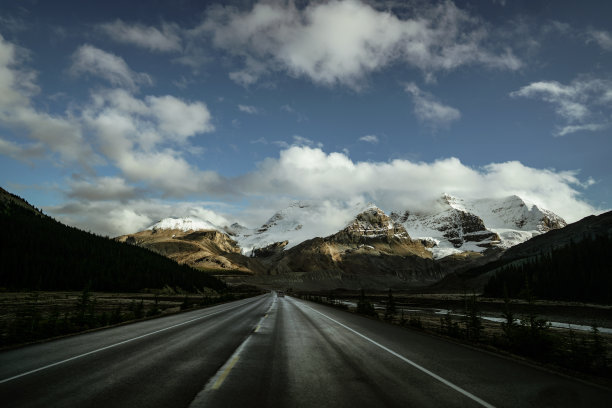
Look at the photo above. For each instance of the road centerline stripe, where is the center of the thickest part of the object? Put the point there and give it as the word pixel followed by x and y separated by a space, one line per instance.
pixel 406 360
pixel 116 344
pixel 216 381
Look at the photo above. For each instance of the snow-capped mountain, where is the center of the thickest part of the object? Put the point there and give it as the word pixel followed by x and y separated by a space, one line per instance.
pixel 297 223
pixel 457 225
pixel 451 225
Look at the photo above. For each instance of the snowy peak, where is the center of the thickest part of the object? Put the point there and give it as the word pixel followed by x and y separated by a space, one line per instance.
pixel 516 213
pixel 184 224
pixel 457 225
pixel 296 223
pixel 287 219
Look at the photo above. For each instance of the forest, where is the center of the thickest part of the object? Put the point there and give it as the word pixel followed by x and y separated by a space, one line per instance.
pixel 580 271
pixel 40 253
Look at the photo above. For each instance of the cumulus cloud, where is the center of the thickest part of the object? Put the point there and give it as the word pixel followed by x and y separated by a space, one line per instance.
pixel 90 60
pixel 113 206
pixel 146 138
pixel 304 172
pixel 369 139
pixel 427 109
pixel 164 39
pixel 251 110
pixel 59 135
pixel 340 42
pixel 583 104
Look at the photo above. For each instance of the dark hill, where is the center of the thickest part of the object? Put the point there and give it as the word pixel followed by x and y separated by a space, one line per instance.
pixel 38 252
pixel 572 263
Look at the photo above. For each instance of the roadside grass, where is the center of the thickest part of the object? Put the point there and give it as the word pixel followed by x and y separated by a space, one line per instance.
pixel 32 316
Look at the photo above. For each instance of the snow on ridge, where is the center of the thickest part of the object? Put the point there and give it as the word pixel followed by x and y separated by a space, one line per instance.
pixel 512 218
pixel 184 224
pixel 299 222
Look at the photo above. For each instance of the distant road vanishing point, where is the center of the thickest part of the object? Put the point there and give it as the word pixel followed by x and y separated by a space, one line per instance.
pixel 271 351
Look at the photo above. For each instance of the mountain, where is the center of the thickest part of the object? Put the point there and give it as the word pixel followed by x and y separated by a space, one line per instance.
pixel 195 242
pixel 572 263
pixel 37 252
pixel 371 251
pixel 320 243
pixel 295 224
pixel 453 225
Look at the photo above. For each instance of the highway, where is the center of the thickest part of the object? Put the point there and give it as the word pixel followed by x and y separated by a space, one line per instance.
pixel 275 352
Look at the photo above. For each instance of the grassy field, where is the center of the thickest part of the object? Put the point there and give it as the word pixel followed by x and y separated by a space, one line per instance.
pixel 37 315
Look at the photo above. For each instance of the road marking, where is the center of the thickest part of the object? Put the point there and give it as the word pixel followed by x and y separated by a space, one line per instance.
pixel 227 370
pixel 118 344
pixel 217 380
pixel 412 363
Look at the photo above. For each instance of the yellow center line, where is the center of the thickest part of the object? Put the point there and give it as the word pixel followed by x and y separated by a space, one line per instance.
pixel 226 372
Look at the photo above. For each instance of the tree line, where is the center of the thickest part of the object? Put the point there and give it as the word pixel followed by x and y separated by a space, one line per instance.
pixel 39 253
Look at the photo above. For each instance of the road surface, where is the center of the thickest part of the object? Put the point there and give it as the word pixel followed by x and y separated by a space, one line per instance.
pixel 275 352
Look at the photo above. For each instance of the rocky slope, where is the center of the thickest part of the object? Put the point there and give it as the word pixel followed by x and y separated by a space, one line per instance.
pixel 454 225
pixel 186 242
pixel 371 248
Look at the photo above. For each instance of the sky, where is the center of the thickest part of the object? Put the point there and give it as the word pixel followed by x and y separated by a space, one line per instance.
pixel 114 115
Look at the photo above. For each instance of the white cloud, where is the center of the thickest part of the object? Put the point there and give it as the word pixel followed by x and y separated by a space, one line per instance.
pixel 591 127
pixel 101 189
pixel 251 110
pixel 23 152
pixel 179 118
pixel 584 104
pixel 369 139
pixel 340 42
pixel 88 59
pixel 58 134
pixel 140 137
pixel 308 173
pixel 429 110
pixel 602 38
pixel 112 205
pixel 165 39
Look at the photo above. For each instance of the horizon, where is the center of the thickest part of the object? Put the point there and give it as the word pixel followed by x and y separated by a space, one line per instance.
pixel 114 117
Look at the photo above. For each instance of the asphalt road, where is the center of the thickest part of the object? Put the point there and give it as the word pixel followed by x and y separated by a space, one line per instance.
pixel 275 352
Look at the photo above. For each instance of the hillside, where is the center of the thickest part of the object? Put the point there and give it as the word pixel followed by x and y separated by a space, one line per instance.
pixel 196 244
pixel 37 252
pixel 371 251
pixel 572 263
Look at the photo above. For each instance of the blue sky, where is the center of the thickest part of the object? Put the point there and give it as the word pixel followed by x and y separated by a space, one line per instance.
pixel 115 114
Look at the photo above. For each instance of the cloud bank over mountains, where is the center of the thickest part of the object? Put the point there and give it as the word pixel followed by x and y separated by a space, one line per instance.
pixel 331 179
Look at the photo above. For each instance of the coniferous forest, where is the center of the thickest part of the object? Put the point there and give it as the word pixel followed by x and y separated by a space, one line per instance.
pixel 39 253
pixel 579 271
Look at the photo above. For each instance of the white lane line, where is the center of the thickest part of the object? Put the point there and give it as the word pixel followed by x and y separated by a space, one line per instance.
pixel 412 363
pixel 117 344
